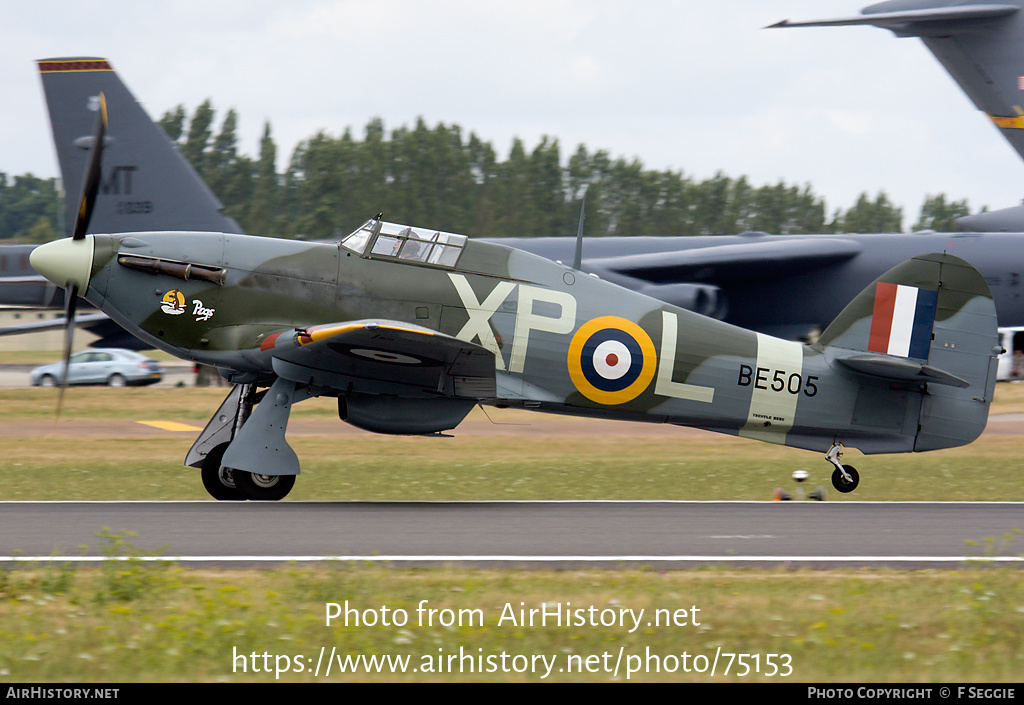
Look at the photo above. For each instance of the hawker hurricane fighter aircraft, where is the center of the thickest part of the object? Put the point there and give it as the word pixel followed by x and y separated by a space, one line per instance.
pixel 409 328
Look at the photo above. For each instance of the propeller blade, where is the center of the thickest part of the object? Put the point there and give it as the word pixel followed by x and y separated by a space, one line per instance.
pixel 90 187
pixel 70 304
pixel 91 180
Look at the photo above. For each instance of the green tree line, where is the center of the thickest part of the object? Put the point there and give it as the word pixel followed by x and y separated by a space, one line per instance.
pixel 441 177
pixel 29 208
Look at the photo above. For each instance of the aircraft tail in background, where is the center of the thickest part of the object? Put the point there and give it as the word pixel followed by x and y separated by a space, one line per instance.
pixel 146 184
pixel 981 45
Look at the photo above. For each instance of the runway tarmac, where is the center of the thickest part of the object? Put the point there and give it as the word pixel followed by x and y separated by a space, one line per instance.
pixel 547 534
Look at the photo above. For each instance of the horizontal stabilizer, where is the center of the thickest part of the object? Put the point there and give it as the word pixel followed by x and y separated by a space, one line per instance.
pixel 900 370
pixel 893 19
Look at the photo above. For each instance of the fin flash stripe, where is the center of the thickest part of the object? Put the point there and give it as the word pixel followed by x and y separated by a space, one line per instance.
pixel 77 65
pixel 902 320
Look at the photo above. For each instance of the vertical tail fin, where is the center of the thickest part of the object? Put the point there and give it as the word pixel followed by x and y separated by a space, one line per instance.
pixel 146 183
pixel 927 325
pixel 980 43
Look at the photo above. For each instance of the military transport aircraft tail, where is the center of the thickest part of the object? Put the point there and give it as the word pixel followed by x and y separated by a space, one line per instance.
pixel 929 320
pixel 980 43
pixel 146 184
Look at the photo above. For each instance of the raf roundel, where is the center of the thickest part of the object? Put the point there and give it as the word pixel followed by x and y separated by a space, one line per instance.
pixel 611 360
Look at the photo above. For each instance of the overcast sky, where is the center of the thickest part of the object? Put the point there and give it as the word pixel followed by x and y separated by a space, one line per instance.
pixel 690 85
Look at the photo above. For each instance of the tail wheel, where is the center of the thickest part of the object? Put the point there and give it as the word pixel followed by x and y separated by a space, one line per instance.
pixel 220 481
pixel 263 487
pixel 841 483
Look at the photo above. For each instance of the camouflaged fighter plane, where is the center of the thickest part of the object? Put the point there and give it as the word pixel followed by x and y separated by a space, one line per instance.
pixel 410 328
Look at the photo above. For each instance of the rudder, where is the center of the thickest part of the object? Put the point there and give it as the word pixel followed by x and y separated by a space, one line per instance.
pixel 965 343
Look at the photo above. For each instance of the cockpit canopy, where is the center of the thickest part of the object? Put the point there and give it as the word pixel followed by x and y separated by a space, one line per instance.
pixel 377 239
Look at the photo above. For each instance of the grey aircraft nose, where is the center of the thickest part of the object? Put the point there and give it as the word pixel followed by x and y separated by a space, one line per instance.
pixel 66 261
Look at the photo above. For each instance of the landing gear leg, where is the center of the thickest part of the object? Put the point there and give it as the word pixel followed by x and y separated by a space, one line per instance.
pixel 208 450
pixel 260 445
pixel 845 477
pixel 239 443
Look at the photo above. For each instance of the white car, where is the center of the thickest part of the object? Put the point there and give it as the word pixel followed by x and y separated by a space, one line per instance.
pixel 112 366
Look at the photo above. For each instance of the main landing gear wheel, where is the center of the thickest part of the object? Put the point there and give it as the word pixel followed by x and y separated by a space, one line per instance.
pixel 263 487
pixel 219 481
pixel 841 483
pixel 844 477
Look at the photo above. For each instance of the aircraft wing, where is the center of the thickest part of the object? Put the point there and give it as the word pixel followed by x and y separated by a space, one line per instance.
pixel 50 324
pixel 383 357
pixel 724 263
pixel 54 324
pixel 109 333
